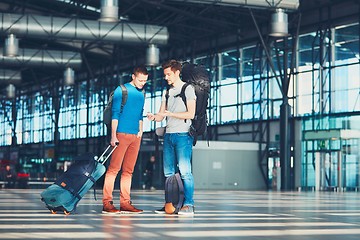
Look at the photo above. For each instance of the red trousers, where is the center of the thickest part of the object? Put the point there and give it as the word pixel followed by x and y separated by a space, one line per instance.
pixel 124 157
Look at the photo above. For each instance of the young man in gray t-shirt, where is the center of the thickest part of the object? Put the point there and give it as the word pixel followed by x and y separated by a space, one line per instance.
pixel 177 141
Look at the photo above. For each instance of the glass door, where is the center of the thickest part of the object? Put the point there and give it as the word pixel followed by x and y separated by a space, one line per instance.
pixel 326 170
pixel 331 165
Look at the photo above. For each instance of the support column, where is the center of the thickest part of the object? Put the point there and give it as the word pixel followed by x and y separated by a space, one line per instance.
pixel 14 117
pixel 56 106
pixel 285 145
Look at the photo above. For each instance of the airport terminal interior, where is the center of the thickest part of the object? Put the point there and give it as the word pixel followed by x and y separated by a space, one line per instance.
pixel 281 155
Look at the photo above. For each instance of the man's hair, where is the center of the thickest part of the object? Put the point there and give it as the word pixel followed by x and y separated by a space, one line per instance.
pixel 173 64
pixel 140 69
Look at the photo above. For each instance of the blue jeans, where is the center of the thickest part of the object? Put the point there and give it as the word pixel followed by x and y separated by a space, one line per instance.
pixel 178 151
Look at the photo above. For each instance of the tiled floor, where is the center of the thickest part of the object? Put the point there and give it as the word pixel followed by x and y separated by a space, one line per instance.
pixel 219 215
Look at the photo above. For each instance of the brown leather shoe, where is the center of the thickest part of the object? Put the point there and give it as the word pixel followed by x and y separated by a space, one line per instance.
pixel 128 208
pixel 109 208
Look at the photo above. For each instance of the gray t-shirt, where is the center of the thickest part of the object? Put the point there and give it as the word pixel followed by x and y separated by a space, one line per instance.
pixel 176 104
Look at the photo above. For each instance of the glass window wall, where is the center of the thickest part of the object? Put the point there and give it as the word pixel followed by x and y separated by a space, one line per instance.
pixel 243 88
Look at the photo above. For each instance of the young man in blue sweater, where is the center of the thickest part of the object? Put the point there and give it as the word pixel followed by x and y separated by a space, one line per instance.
pixel 127 130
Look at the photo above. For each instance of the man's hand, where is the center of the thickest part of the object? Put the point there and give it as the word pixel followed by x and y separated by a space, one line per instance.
pixel 150 116
pixel 168 114
pixel 113 141
pixel 139 135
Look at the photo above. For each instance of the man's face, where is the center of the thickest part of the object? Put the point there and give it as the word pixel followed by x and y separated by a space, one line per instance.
pixel 170 76
pixel 139 80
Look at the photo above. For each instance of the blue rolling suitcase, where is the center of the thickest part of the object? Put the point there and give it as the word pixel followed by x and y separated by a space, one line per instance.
pixel 65 193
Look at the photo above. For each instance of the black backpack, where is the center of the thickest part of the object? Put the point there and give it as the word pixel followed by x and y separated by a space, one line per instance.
pixel 174 194
pixel 107 113
pixel 198 77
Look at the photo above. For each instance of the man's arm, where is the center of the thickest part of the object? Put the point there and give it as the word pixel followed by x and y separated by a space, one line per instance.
pixel 189 114
pixel 158 117
pixel 114 125
pixel 115 110
pixel 140 133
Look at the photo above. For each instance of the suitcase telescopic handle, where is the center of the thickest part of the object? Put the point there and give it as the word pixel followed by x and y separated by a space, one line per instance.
pixel 101 158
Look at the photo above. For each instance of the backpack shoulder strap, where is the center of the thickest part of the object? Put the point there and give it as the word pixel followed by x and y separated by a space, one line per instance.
pixel 182 93
pixel 167 97
pixel 183 96
pixel 124 97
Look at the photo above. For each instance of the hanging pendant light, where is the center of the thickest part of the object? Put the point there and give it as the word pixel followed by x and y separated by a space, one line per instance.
pixel 11 46
pixel 279 24
pixel 69 76
pixel 109 11
pixel 10 91
pixel 152 55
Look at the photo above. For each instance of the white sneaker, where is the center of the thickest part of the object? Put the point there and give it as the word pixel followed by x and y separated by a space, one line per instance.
pixel 186 210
